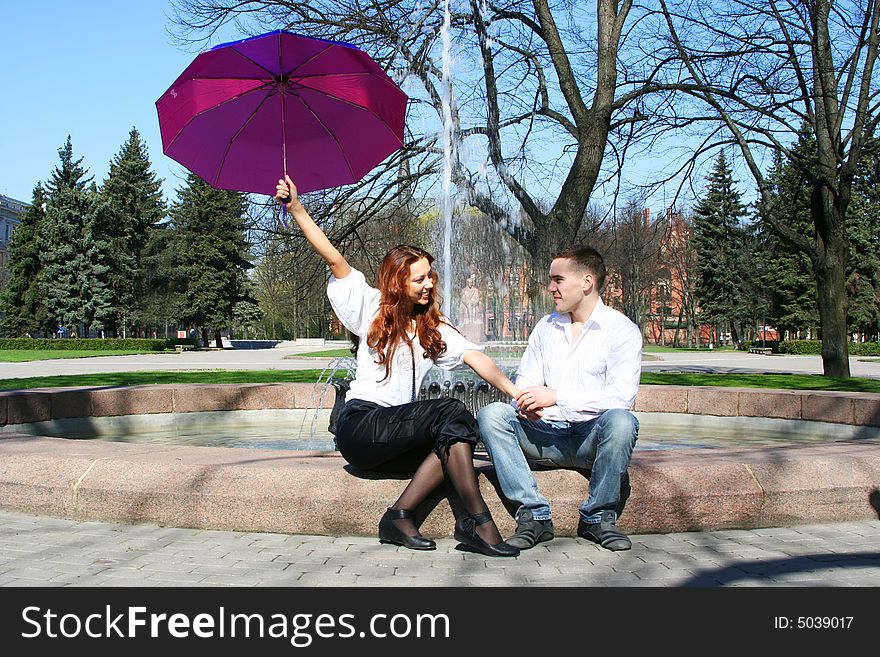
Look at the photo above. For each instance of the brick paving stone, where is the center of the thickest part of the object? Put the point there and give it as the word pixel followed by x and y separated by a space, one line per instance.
pixel 368 570
pixel 180 578
pixel 326 578
pixel 67 553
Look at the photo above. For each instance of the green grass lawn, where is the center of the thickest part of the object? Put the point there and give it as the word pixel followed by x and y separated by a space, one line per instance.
pixel 24 355
pixel 147 378
pixel 770 381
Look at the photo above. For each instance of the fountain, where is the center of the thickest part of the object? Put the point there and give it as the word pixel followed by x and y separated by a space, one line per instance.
pixel 823 466
pixel 448 140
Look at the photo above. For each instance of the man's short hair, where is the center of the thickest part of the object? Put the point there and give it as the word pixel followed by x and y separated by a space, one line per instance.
pixel 588 259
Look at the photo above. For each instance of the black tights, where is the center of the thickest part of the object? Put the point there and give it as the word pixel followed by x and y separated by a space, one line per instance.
pixel 393 439
pixel 456 464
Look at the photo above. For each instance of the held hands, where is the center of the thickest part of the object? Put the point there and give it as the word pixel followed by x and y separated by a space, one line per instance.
pixel 532 400
pixel 285 193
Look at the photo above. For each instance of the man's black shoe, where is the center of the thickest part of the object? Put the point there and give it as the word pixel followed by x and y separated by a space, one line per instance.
pixel 605 533
pixel 530 532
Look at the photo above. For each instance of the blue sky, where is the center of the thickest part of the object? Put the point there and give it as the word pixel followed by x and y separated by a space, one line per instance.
pixel 92 69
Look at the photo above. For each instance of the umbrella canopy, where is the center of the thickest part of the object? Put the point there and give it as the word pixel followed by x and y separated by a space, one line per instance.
pixel 244 113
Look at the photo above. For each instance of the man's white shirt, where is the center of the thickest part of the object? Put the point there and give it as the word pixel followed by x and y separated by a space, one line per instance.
pixel 597 372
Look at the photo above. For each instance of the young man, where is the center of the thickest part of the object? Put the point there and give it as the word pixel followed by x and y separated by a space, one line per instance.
pixel 578 379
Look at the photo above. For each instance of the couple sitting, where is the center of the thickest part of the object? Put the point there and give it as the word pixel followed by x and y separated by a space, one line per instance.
pixel 577 378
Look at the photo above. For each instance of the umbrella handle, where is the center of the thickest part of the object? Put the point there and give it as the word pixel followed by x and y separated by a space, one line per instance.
pixel 284 203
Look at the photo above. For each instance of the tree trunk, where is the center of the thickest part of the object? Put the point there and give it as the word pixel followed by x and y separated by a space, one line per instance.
pixel 831 297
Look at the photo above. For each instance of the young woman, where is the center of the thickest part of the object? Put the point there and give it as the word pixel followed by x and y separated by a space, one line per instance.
pixel 401 335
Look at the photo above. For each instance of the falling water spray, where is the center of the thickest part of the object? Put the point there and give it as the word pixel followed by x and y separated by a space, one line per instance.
pixel 446 201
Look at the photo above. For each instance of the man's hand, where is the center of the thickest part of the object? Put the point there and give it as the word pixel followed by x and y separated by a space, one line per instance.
pixel 535 398
pixel 534 416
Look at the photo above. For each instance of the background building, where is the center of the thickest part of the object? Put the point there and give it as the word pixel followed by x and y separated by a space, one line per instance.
pixel 10 211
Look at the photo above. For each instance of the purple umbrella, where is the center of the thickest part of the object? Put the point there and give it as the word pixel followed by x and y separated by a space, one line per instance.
pixel 244 113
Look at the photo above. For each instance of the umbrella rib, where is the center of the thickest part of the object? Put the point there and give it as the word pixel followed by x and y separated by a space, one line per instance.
pixel 329 132
pixel 306 61
pixel 254 62
pixel 288 73
pixel 232 139
pixel 347 102
pixel 262 87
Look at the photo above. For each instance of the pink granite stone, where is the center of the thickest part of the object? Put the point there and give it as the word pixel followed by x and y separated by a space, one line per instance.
pixel 770 403
pixel 828 407
pixel 220 397
pixel 866 410
pixel 313 395
pixel 661 399
pixel 28 406
pixel 690 492
pixel 135 400
pixel 713 401
pixel 316 493
pixel 259 396
pixel 71 403
pixel 818 484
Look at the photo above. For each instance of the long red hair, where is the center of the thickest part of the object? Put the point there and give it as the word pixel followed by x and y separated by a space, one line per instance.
pixel 389 329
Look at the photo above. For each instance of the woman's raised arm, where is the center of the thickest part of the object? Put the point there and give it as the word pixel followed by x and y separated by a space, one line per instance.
pixel 316 237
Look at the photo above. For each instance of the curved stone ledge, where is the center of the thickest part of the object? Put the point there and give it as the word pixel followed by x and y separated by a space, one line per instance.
pixel 22 406
pixel 314 493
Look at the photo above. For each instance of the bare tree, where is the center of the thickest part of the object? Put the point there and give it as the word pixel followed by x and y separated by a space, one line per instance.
pixel 540 88
pixel 632 257
pixel 679 256
pixel 757 73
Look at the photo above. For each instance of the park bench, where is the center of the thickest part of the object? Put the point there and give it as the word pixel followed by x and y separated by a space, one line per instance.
pixel 183 347
pixel 766 351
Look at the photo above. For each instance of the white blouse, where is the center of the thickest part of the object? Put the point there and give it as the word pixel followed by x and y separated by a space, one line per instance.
pixel 356 303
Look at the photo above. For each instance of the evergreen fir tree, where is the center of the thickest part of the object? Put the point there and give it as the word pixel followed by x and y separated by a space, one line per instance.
pixel 21 301
pixel 133 196
pixel 863 230
pixel 162 302
pixel 791 275
pixel 73 255
pixel 786 276
pixel 719 237
pixel 212 251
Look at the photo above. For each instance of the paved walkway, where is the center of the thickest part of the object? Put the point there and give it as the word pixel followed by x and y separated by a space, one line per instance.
pixel 40 551
pixel 284 358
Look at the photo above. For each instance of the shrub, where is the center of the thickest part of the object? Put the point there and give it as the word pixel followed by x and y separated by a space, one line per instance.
pixel 801 347
pixel 864 348
pixel 92 344
pixel 814 348
pixel 772 344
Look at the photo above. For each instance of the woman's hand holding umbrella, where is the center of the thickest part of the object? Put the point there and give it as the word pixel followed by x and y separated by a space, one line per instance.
pixel 286 193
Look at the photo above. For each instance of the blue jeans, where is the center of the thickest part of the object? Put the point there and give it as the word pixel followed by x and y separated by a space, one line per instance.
pixel 603 445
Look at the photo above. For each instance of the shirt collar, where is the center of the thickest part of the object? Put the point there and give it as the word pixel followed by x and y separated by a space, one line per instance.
pixel 597 317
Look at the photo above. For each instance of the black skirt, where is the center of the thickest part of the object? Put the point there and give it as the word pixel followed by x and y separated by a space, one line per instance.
pixel 398 438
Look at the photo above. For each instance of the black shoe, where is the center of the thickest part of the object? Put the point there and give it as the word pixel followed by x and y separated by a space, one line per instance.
pixel 530 532
pixel 390 533
pixel 466 532
pixel 605 533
